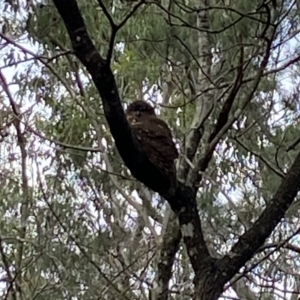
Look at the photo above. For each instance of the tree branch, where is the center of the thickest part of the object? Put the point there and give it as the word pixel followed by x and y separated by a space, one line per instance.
pixel 252 239
pixel 84 49
pixel 182 199
pixel 169 248
pixel 226 108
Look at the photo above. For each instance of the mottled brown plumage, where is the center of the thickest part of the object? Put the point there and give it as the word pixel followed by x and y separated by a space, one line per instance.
pixel 154 137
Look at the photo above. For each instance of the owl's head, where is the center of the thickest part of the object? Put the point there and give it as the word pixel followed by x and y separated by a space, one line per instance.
pixel 140 108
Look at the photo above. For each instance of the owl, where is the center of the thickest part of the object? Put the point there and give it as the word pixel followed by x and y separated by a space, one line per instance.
pixel 154 138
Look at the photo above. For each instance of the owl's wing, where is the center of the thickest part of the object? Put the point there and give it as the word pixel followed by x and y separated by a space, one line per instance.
pixel 155 139
pixel 156 134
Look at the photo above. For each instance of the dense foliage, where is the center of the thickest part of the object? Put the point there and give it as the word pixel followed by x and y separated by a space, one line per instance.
pixel 75 224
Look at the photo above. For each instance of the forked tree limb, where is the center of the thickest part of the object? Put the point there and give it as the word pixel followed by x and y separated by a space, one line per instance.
pixel 182 199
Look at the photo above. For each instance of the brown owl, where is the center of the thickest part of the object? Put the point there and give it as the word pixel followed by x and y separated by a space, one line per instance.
pixel 154 137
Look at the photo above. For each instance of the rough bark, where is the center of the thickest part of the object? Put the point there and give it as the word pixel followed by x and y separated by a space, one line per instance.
pixel 210 274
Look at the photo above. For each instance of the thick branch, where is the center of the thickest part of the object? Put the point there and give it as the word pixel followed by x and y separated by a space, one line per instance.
pixel 103 78
pixel 182 199
pixel 251 240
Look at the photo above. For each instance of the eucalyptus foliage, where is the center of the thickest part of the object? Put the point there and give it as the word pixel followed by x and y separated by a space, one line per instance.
pixel 74 222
